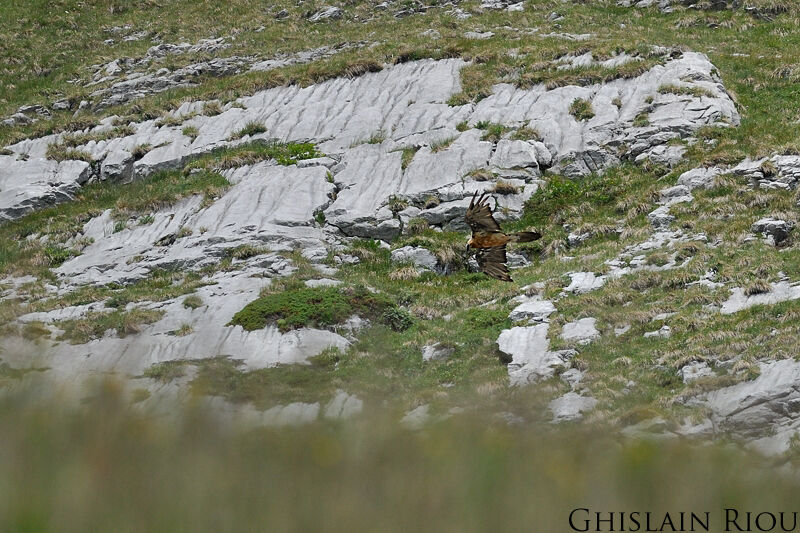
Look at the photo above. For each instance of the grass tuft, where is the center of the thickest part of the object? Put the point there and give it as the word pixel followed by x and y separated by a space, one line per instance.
pixel 581 109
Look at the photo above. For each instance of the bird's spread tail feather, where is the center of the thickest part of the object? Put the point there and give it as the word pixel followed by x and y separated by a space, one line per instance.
pixel 525 236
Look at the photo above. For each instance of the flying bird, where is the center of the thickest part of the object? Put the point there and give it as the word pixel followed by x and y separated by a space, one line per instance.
pixel 489 240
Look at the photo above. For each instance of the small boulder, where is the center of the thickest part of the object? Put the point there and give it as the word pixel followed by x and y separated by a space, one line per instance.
pixel 437 352
pixel 534 310
pixel 61 105
pixel 660 218
pixel 576 239
pixel 422 258
pixel 571 406
pixel 583 331
pixel 699 177
pixel 665 332
pixel 695 370
pixel 326 13
pixel 324 282
pixel 343 406
pixel 583 282
pixel 416 418
pixel 572 377
pixel 478 35
pixel 117 166
pixel 777 231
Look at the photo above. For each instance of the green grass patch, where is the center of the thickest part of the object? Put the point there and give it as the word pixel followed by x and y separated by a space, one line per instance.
pixel 314 307
pixel 252 153
pixel 61 152
pixel 94 325
pixel 192 301
pixel 167 371
pixel 683 90
pixel 581 109
pixel 442 144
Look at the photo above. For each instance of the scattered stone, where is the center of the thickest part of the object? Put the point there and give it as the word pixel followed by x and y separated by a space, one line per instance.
pixel 515 260
pixel 572 377
pixel 695 370
pixel 117 166
pixel 326 13
pixel 660 218
pixel 652 429
pixel 293 414
pixel 416 418
pixel 420 257
pixel 662 316
pixel 324 282
pixel 583 282
pixel 664 333
pixel 583 331
pixel 478 35
pixel 702 178
pixel 699 177
pixel 674 194
pixel 779 292
pixel 665 6
pixel 436 352
pixel 531 359
pixel 767 405
pixel 534 310
pixel 27 186
pixel 343 406
pixel 571 406
pixel 520 158
pixel 276 207
pixel 61 105
pixel 576 239
pixel 666 155
pixel 316 162
pixel 776 230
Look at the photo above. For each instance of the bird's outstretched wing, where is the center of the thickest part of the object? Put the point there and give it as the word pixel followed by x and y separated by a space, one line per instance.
pixel 479 216
pixel 492 262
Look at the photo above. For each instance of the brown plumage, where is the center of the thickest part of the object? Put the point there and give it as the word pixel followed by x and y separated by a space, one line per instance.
pixel 488 239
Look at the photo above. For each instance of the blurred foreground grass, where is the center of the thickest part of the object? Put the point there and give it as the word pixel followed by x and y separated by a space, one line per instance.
pixel 106 467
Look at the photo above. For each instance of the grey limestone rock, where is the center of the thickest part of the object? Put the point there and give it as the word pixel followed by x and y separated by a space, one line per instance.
pixel 436 352
pixel 326 13
pixel 531 358
pixel 27 186
pixel 571 406
pixel 417 256
pixel 779 292
pixel 343 406
pixel 583 331
pixel 769 402
pixel 776 230
pixel 694 370
pixel 117 166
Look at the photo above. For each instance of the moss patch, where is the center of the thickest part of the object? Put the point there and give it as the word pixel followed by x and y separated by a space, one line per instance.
pixel 310 307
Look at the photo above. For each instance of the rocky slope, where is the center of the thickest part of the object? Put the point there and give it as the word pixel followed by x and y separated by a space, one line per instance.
pixel 135 245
